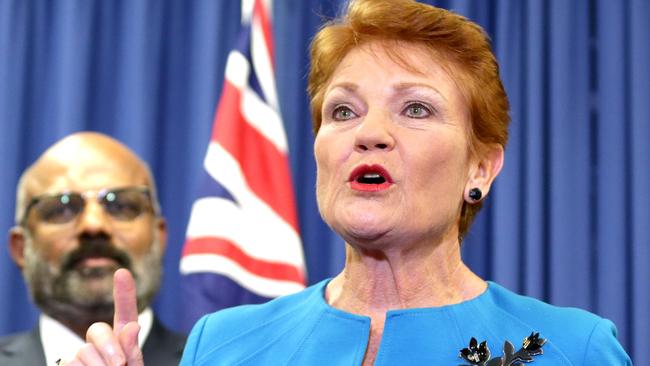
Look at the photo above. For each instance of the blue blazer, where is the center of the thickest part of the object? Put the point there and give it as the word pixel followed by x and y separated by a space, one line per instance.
pixel 302 329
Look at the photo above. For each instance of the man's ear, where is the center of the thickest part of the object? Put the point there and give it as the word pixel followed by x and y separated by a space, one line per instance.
pixel 17 245
pixel 161 231
pixel 485 170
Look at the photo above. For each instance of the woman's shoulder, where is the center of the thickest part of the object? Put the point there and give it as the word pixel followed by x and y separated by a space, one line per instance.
pixel 530 309
pixel 249 328
pixel 273 310
pixel 583 337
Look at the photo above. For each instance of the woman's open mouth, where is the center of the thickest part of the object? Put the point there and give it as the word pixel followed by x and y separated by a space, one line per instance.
pixel 370 178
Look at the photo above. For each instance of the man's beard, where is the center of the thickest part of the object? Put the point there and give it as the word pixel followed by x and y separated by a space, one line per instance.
pixel 82 295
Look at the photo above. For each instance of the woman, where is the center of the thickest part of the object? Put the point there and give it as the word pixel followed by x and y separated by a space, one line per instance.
pixel 411 122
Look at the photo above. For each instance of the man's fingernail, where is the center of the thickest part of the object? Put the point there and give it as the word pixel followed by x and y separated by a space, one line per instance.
pixel 116 359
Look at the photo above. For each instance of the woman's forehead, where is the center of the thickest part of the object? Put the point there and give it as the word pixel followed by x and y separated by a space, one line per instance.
pixel 396 65
pixel 383 57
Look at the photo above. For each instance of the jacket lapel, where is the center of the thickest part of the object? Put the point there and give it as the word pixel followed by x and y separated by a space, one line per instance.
pixel 22 349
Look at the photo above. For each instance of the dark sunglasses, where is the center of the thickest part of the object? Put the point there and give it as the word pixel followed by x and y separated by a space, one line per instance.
pixel 122 204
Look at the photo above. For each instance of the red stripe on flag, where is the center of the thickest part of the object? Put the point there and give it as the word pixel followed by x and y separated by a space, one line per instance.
pixel 265 168
pixel 225 248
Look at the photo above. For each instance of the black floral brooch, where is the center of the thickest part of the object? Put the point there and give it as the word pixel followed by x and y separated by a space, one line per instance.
pixel 479 354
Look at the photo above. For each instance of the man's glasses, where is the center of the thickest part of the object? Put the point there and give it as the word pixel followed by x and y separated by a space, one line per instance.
pixel 123 204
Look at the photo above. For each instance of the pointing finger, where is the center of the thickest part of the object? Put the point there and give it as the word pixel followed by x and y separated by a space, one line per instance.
pixel 88 355
pixel 124 295
pixel 100 337
pixel 128 338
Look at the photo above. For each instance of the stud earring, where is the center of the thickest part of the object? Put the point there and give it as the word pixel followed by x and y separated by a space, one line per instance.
pixel 475 194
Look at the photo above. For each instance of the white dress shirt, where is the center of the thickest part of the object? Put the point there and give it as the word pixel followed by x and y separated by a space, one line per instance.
pixel 59 342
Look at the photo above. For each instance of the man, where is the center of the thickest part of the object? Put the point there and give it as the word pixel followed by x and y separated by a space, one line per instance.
pixel 84 209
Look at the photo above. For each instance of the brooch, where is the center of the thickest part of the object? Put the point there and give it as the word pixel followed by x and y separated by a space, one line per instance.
pixel 479 354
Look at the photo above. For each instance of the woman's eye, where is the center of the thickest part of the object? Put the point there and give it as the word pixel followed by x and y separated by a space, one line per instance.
pixel 417 110
pixel 342 113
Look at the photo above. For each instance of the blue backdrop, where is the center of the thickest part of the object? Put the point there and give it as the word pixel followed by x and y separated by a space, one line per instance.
pixel 569 218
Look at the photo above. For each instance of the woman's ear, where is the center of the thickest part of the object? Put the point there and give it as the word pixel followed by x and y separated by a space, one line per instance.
pixel 483 172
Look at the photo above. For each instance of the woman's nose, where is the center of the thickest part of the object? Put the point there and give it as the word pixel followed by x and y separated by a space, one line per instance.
pixel 375 132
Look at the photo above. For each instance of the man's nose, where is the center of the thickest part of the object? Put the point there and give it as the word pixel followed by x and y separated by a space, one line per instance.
pixel 93 218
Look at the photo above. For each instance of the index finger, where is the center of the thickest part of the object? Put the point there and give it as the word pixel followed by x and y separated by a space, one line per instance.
pixel 124 297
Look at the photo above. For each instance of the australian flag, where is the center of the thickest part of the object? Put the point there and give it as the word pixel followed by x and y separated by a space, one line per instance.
pixel 242 243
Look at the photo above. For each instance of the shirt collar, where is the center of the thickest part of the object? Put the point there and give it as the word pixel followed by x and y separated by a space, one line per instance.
pixel 59 342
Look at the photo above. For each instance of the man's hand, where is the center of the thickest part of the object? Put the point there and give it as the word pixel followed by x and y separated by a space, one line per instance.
pixel 117 345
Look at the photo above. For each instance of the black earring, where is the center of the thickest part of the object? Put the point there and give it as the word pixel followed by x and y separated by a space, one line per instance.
pixel 475 194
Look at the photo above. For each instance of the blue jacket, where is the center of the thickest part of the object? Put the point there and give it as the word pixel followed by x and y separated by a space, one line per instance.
pixel 302 329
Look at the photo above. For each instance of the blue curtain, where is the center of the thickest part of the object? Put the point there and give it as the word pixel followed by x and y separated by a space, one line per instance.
pixel 568 220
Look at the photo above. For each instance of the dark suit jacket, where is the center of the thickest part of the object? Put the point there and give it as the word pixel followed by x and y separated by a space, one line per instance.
pixel 162 347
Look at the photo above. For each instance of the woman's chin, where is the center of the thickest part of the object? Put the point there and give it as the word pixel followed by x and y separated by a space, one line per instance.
pixel 364 229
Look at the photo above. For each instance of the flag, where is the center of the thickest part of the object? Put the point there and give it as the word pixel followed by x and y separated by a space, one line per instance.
pixel 242 242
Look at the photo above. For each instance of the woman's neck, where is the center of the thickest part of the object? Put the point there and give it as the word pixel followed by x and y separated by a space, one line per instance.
pixel 375 281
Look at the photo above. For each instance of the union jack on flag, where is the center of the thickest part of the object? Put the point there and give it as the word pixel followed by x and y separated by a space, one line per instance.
pixel 242 243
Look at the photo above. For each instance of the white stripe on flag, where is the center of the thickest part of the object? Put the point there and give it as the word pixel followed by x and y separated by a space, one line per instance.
pixel 261 235
pixel 258 114
pixel 225 169
pixel 264 119
pixel 223 265
pixel 237 69
pixel 247 10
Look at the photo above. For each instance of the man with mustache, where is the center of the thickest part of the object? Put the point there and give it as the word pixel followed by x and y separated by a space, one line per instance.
pixel 85 208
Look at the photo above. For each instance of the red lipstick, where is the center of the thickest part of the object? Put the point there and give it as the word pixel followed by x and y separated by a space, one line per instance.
pixel 370 178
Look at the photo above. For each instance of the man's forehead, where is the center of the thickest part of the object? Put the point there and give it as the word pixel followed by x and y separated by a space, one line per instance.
pixel 85 168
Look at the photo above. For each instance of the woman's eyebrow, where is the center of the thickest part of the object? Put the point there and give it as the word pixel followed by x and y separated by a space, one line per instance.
pixel 345 85
pixel 404 86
